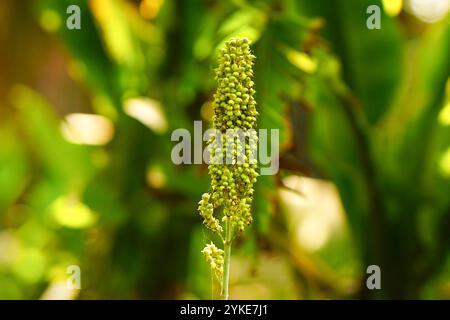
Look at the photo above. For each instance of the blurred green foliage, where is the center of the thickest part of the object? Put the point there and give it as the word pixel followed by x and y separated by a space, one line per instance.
pixel 367 110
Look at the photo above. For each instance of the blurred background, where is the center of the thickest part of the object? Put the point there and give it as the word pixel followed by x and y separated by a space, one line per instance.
pixel 85 171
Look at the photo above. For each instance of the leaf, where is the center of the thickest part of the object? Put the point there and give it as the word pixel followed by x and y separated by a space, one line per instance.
pixel 372 59
pixel 14 167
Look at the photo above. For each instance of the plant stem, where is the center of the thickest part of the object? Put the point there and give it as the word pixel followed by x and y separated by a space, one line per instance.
pixel 227 259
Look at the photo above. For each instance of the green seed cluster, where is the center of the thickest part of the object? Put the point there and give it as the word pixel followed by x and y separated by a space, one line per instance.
pixel 233 167
pixel 206 211
pixel 233 173
pixel 234 112
pixel 234 105
pixel 214 256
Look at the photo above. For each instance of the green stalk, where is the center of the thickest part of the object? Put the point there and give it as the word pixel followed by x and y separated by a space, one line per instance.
pixel 227 259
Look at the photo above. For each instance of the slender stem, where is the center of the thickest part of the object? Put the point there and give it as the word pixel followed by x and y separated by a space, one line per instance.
pixel 227 259
pixel 212 283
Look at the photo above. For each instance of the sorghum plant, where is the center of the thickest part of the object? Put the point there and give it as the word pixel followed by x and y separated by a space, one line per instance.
pixel 232 165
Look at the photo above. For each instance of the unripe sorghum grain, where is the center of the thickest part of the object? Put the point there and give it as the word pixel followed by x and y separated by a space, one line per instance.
pixel 233 165
pixel 206 211
pixel 234 109
pixel 214 256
